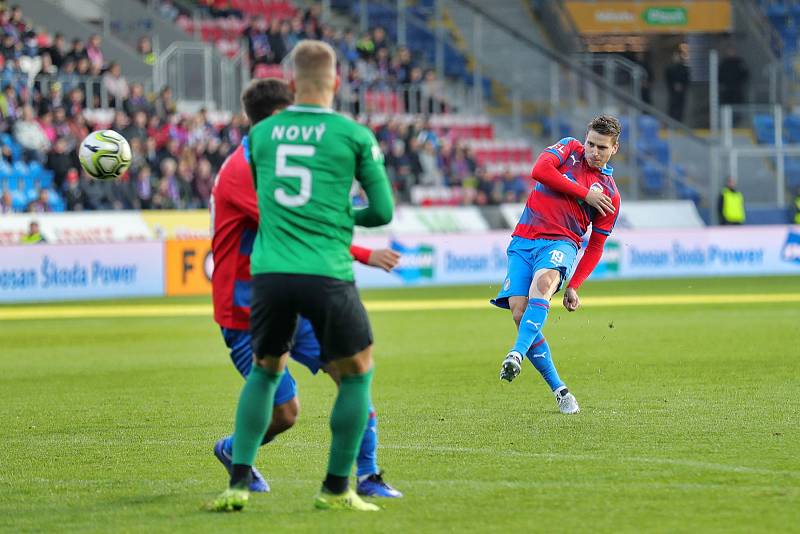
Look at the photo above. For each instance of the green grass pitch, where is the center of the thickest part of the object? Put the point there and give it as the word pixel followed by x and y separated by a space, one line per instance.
pixel 689 422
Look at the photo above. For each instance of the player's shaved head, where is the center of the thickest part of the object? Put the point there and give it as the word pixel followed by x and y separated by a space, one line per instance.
pixel 314 67
pixel 606 125
pixel 265 96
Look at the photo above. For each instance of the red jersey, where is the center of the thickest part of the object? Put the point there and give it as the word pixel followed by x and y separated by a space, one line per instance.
pixel 234 223
pixel 550 214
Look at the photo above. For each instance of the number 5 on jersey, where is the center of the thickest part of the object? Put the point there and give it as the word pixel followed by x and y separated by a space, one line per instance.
pixel 282 170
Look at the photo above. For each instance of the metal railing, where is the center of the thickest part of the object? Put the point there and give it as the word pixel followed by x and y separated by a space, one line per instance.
pixel 95 93
pixel 200 77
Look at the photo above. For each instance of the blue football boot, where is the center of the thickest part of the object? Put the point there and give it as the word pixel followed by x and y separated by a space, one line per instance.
pixel 375 486
pixel 258 485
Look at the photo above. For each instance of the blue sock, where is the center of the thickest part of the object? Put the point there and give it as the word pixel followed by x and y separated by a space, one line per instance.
pixel 531 324
pixel 367 460
pixel 540 357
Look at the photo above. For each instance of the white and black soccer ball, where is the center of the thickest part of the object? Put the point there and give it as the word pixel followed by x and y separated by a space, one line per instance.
pixel 105 154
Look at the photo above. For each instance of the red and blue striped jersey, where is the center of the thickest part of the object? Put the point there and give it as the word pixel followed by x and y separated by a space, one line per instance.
pixel 550 214
pixel 234 222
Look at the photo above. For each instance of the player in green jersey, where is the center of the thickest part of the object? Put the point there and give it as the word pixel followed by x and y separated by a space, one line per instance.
pixel 304 161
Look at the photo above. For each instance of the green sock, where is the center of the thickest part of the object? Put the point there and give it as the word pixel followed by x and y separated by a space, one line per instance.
pixel 254 413
pixel 348 421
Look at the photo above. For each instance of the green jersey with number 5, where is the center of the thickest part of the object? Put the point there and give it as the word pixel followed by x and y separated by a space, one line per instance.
pixel 304 160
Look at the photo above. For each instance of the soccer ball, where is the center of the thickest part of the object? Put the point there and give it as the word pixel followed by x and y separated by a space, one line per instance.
pixel 104 154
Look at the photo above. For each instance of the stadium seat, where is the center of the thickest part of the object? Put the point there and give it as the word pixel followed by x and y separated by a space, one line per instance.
pixel 653 178
pixel 764 126
pixel 648 127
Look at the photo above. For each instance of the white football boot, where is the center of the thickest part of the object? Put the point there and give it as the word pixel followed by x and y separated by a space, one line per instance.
pixel 512 365
pixel 566 401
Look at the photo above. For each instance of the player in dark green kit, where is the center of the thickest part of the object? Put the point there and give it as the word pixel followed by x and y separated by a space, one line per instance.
pixel 304 161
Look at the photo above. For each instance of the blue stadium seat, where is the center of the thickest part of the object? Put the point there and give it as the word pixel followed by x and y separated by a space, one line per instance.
pixel 791 168
pixel 653 178
pixel 764 126
pixel 687 192
pixel 35 169
pixel 56 202
pixel 649 126
pixel 791 125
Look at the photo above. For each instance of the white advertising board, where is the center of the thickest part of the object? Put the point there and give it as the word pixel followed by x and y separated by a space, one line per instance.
pixel 636 214
pixel 434 220
pixel 76 227
pixel 481 258
pixel 46 272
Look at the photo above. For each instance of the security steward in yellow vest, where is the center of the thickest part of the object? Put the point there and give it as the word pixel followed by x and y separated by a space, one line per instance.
pixel 731 204
pixel 33 236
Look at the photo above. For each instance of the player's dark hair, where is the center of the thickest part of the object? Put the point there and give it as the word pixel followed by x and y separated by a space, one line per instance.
pixel 606 125
pixel 264 96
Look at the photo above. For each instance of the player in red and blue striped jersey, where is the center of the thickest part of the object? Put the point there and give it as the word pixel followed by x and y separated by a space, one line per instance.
pixel 575 189
pixel 234 223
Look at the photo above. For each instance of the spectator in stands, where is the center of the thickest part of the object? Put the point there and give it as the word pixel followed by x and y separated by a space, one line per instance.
pixel 74 194
pixel 677 77
pixel 78 128
pixel 94 51
pixel 731 204
pixel 77 52
pixel 277 42
pixel 167 10
pixel 40 204
pixel 489 189
pixel 143 185
pixel 60 160
pixel 116 85
pixel 53 99
pixel 168 194
pixel 515 187
pixel 431 171
pixel 68 77
pixel 9 104
pixel 258 43
pixel 165 105
pixel 137 129
pixel 75 102
pixel 733 75
pixel 366 46
pixel 6 204
pixel 56 51
pixel 203 182
pixel 61 126
pixel 145 48
pixel 29 134
pixel 34 235
pixel 796 206
pixel 347 48
pixel 137 101
pixel 8 48
pixel 433 93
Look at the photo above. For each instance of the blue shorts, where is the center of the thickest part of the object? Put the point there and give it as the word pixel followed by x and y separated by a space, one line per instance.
pixel 305 347
pixel 525 257
pixel 239 343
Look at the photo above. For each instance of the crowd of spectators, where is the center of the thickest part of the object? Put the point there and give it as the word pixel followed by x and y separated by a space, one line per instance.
pixel 176 155
pixel 369 62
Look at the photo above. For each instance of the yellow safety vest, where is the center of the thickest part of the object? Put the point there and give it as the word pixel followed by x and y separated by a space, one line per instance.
pixel 732 206
pixel 797 210
pixel 31 239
